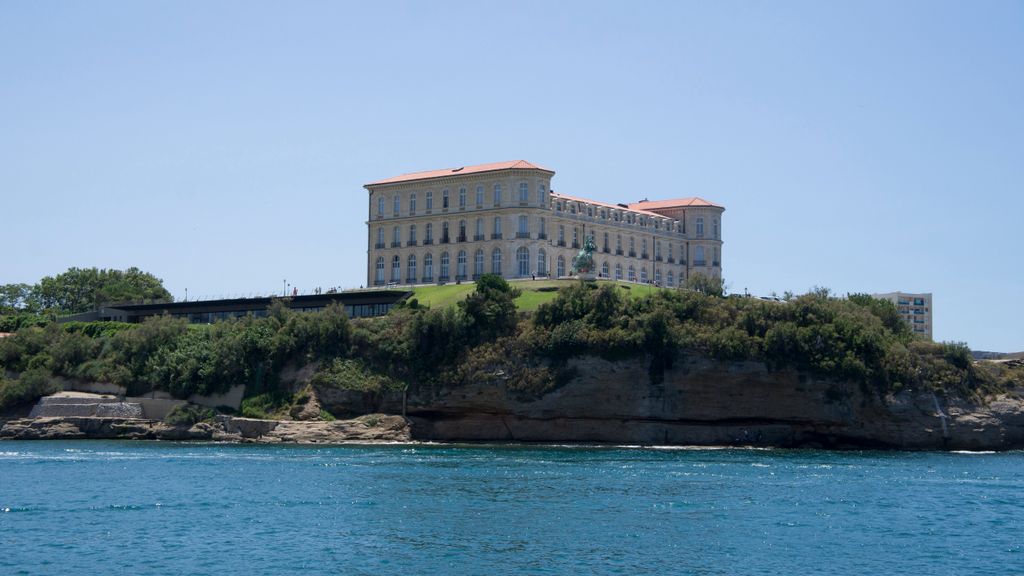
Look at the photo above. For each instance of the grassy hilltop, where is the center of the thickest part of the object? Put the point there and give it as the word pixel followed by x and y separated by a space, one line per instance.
pixel 447 336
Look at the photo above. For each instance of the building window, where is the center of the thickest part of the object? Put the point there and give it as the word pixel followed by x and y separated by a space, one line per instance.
pixel 575 237
pixel 428 266
pixel 715 261
pixel 524 192
pixel 604 270
pixel 561 235
pixel 396 210
pixel 396 238
pixel 632 274
pixel 380 237
pixel 670 257
pixel 714 228
pixel 543 228
pixel 479 196
pixel 410 273
pixel 412 235
pixel 430 201
pixel 462 198
pixel 429 237
pixel 479 229
pixel 412 204
pixel 698 256
pixel 497 194
pixel 444 232
pixel 478 263
pixel 379 278
pixel 497 226
pixel 496 261
pixel 657 249
pixel 444 199
pixel 460 265
pixel 643 247
pixel 632 246
pixel 396 268
pixel 657 276
pixel 671 279
pixel 444 266
pixel 618 244
pixel 618 271
pixel 380 206
pixel 560 270
pixel 524 227
pixel 542 263
pixel 606 242
pixel 700 227
pixel 462 230
pixel 523 259
pixel 542 194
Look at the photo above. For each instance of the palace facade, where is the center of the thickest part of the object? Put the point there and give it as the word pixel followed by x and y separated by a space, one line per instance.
pixel 456 224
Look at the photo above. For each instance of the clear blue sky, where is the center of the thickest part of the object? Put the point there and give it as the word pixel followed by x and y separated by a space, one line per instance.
pixel 861 146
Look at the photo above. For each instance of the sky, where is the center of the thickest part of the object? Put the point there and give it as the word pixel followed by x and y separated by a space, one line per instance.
pixel 222 146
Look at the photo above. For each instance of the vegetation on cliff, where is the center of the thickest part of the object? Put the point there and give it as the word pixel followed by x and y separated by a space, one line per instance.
pixel 484 339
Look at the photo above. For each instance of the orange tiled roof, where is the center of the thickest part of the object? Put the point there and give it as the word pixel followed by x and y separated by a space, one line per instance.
pixel 676 203
pixel 605 204
pixel 426 175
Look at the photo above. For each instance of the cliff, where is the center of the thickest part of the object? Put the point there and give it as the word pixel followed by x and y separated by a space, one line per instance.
pixel 701 402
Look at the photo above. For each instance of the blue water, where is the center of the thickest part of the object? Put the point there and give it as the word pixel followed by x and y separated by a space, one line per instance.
pixel 92 507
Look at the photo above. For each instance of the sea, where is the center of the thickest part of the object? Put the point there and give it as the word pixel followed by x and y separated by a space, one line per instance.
pixel 130 507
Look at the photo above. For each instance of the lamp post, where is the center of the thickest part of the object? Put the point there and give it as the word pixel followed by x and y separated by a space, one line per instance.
pixel 186 294
pixel 284 287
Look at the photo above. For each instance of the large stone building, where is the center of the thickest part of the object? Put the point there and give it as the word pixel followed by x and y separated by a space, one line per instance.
pixel 455 224
pixel 915 309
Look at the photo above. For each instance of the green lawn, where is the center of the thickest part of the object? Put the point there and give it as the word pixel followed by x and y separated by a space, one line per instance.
pixel 533 293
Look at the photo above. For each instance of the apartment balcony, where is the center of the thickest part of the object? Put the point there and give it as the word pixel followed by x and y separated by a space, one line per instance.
pixel 657 258
pixel 442 279
pixel 428 279
pixel 396 244
pixel 378 282
pixel 606 250
pixel 461 238
pixel 445 240
pixel 478 237
pixel 561 242
pixel 716 263
pixel 671 260
pixel 632 254
pixel 411 243
pixel 523 235
pixel 476 277
pixel 542 236
pixel 379 245
pixel 644 256
pixel 428 241
pixel 682 262
pixel 575 244
pixel 496 236
pixel 700 263
pixel 460 277
pixel 618 251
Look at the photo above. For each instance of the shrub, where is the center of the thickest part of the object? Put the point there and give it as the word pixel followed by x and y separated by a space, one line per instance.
pixel 32 385
pixel 189 414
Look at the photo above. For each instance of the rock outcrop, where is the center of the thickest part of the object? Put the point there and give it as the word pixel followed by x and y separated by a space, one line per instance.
pixel 703 402
pixel 367 429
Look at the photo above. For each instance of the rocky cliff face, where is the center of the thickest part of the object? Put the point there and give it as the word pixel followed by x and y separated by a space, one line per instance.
pixel 702 402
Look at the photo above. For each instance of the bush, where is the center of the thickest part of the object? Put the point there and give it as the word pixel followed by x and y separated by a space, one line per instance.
pixel 189 414
pixel 32 385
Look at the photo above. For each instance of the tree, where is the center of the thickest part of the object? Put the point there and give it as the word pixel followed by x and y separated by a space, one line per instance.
pixel 705 284
pixel 15 297
pixel 491 307
pixel 83 289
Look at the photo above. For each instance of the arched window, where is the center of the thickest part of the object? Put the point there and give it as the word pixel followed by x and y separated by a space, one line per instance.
pixel 671 279
pixel 604 270
pixel 560 269
pixel 379 277
pixel 412 235
pixel 524 192
pixel 478 263
pixel 497 194
pixel 542 263
pixel 410 273
pixel 643 274
pixel 380 237
pixel 523 259
pixel 632 274
pixel 460 265
pixel 396 268
pixel 428 238
pixel 428 268
pixel 496 261
pixel 397 208
pixel 618 271
pixel 462 198
pixel 412 204
pixel 444 266
pixel 698 256
pixel 479 196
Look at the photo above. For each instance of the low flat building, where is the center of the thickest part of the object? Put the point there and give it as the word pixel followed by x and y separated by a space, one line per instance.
pixel 455 224
pixel 358 304
pixel 915 309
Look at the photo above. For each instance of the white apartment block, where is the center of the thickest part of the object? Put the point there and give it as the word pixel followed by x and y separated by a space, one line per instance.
pixel 454 225
pixel 915 309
